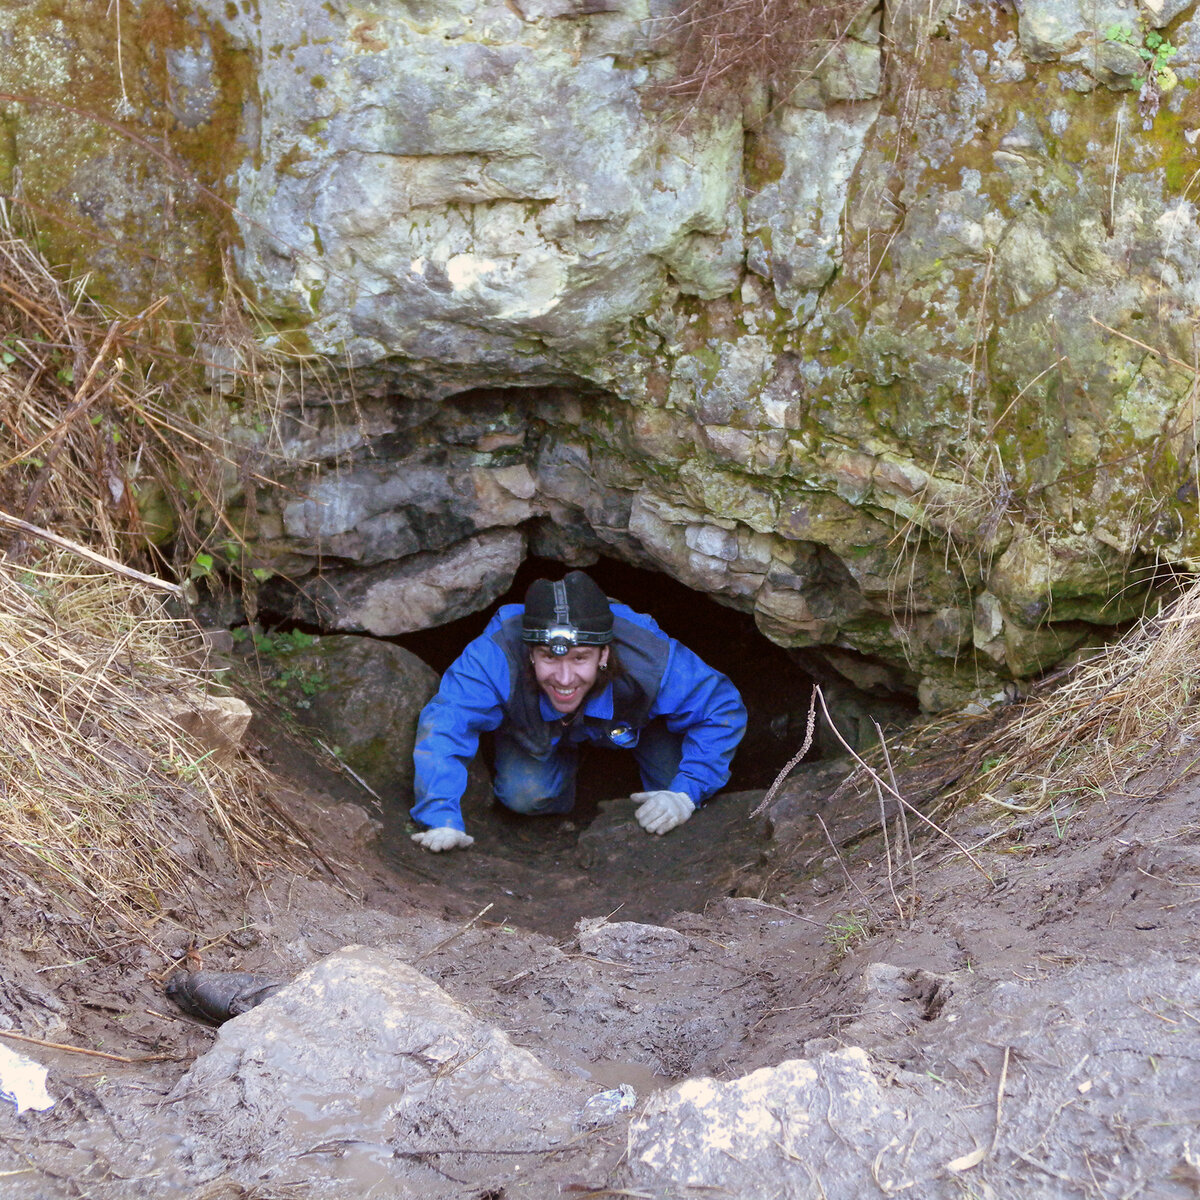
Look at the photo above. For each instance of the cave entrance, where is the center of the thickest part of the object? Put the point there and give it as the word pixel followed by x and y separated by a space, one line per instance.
pixel 545 873
pixel 774 686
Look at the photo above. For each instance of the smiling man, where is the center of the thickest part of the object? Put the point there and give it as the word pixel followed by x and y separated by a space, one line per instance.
pixel 570 667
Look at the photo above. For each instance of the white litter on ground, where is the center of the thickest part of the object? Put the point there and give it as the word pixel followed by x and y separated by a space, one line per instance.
pixel 23 1081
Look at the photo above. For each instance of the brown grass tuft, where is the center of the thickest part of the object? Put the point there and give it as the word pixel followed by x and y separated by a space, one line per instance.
pixel 102 795
pixel 106 805
pixel 114 431
pixel 1121 725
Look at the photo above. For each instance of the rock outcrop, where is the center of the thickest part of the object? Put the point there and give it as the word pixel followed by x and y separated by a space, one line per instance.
pixel 363 694
pixel 899 359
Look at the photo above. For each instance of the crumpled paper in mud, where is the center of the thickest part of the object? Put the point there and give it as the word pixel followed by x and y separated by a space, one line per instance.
pixel 604 1107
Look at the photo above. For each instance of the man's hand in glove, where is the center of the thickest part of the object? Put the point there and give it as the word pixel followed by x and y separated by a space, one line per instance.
pixel 659 812
pixel 443 838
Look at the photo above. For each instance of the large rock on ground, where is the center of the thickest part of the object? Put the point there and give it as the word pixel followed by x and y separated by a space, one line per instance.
pixel 779 1132
pixel 365 696
pixel 357 1067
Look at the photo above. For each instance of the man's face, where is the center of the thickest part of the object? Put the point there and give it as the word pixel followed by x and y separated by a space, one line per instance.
pixel 567 680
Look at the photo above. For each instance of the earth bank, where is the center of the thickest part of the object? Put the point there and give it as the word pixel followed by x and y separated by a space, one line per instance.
pixel 791 1025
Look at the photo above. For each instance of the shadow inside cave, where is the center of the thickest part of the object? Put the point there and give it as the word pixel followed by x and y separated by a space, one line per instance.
pixel 775 683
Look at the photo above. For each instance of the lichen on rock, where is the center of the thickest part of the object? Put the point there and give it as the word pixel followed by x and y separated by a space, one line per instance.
pixel 898 361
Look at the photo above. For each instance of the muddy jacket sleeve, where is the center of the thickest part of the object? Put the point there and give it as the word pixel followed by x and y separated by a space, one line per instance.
pixel 470 701
pixel 705 707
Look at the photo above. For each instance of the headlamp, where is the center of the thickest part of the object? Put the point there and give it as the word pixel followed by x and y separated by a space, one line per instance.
pixel 566 613
pixel 561 638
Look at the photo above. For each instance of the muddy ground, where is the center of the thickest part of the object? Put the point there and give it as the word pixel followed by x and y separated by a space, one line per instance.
pixel 1031 1010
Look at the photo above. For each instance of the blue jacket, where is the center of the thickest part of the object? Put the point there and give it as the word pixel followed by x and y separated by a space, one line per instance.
pixel 486 688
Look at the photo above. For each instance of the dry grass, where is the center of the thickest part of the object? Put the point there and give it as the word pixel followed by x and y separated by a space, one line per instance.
pixel 102 795
pixel 104 801
pixel 721 47
pixel 110 432
pixel 1122 724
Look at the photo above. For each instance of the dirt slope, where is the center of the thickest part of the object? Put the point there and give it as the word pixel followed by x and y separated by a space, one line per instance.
pixel 1031 1013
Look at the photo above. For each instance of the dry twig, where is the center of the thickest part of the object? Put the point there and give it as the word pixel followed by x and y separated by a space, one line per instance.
pixel 792 762
pixel 121 1058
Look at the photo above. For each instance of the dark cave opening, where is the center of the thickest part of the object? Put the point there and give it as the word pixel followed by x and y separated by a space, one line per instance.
pixel 775 683
pixel 547 872
pixel 775 686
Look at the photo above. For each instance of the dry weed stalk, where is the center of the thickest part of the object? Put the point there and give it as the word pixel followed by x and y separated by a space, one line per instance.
pixel 1122 724
pixel 105 422
pixel 102 796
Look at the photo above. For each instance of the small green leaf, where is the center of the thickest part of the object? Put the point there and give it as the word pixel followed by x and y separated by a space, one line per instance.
pixel 201 567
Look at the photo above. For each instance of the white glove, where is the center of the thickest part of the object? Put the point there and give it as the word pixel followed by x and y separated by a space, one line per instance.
pixel 443 838
pixel 660 812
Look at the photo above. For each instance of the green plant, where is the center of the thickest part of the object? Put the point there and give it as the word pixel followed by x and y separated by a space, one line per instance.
pixel 182 767
pixel 277 646
pixel 286 642
pixel 845 931
pixel 274 644
pixel 308 682
pixel 201 567
pixel 1061 817
pixel 1152 48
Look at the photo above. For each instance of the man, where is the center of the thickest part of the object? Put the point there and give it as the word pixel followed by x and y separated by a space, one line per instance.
pixel 569 668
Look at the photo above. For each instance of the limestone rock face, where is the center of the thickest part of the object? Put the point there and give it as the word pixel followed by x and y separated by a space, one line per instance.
pixel 899 361
pixel 475 187
pixel 761 1135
